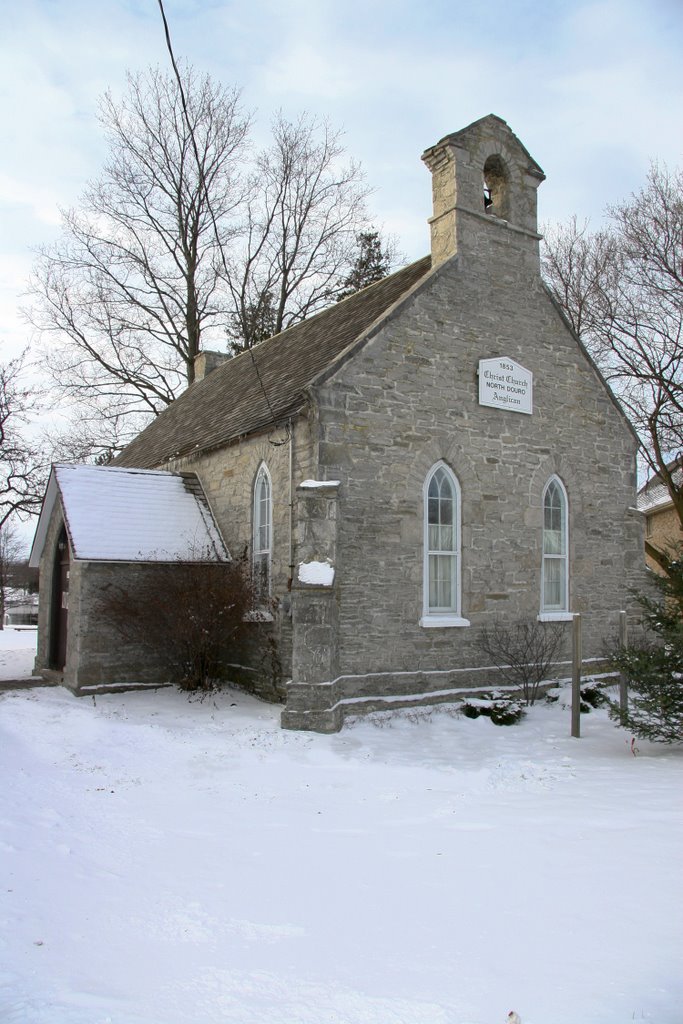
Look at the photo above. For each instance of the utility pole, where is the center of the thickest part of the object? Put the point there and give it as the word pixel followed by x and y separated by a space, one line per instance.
pixel 623 689
pixel 576 676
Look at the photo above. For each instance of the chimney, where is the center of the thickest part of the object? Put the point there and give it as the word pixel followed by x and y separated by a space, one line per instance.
pixel 205 362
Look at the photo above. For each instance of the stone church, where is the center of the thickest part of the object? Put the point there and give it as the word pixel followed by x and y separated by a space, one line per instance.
pixel 433 454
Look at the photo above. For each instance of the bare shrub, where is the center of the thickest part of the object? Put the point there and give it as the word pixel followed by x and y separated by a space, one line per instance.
pixel 191 617
pixel 523 652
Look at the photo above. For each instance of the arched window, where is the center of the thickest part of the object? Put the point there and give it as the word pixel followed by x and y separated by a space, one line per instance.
pixel 496 198
pixel 263 532
pixel 555 577
pixel 441 603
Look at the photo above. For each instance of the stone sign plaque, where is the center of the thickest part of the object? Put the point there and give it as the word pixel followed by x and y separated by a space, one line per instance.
pixel 504 384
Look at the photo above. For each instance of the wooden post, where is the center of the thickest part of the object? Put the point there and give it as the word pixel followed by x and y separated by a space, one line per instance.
pixel 576 676
pixel 623 689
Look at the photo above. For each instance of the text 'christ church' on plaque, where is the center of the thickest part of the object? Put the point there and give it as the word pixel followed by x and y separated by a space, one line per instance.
pixel 504 384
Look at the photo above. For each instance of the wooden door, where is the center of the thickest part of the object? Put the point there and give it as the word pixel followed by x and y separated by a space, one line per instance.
pixel 60 604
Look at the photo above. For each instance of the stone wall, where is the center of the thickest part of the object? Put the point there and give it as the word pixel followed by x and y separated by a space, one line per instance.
pixel 227 476
pixel 105 658
pixel 315 612
pixel 410 399
pixel 103 654
pixel 95 654
pixel 664 532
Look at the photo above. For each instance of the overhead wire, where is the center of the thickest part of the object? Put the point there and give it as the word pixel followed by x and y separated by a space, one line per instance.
pixel 207 199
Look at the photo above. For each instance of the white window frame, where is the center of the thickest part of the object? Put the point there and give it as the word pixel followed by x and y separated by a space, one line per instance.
pixel 561 612
pixel 433 618
pixel 262 552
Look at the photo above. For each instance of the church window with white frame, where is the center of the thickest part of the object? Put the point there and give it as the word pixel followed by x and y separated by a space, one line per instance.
pixel 555 573
pixel 441 571
pixel 263 532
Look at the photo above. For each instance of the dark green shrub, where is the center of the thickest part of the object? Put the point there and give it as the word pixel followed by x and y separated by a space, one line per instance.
pixel 502 710
pixel 507 712
pixel 592 696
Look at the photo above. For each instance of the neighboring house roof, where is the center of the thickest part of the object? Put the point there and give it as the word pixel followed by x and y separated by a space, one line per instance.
pixel 131 515
pixel 655 494
pixel 231 401
pixel 17 596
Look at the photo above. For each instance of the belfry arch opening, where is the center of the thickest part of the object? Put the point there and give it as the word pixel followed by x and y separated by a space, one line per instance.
pixel 496 197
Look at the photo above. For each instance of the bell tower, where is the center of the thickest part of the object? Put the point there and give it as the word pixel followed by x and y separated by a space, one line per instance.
pixel 484 192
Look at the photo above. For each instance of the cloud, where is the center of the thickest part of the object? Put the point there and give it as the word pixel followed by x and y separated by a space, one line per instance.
pixel 41 201
pixel 591 88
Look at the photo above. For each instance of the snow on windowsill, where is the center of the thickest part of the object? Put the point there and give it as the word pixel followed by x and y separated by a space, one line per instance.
pixel 442 621
pixel 318 574
pixel 320 483
pixel 555 616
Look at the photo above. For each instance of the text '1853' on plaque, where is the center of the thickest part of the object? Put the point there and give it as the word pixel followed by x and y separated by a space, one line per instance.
pixel 504 384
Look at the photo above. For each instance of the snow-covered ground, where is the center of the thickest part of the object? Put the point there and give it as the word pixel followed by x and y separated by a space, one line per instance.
pixel 17 652
pixel 170 862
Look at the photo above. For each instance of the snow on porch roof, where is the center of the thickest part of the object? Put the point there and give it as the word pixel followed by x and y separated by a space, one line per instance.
pixel 131 515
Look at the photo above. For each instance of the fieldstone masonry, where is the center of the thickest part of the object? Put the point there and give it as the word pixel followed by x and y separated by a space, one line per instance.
pixel 485 155
pixel 96 657
pixel 409 398
pixel 401 398
pixel 315 614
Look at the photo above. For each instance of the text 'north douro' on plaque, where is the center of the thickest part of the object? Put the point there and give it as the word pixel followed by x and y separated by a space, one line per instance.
pixel 504 384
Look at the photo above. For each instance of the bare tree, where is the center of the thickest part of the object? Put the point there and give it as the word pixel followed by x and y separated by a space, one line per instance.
pixel 10 551
pixel 622 291
pixel 134 285
pixel 188 237
pixel 305 211
pixel 23 467
pixel 91 429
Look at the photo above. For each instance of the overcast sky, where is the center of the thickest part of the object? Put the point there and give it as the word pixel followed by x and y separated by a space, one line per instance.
pixel 594 90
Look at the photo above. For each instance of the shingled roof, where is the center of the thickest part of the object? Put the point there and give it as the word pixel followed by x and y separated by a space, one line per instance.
pixel 655 494
pixel 231 401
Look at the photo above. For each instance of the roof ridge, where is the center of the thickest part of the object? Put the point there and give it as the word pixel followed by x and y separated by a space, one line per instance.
pixel 263 387
pixel 329 309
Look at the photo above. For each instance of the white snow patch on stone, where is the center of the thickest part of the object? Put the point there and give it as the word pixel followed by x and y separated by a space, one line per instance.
pixel 320 574
pixel 320 483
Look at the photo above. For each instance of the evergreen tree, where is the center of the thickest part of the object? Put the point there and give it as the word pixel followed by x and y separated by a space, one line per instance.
pixel 654 666
pixel 255 322
pixel 372 263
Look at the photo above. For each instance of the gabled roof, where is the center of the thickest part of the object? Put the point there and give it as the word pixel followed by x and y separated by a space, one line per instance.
pixel 131 515
pixel 265 386
pixel 478 127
